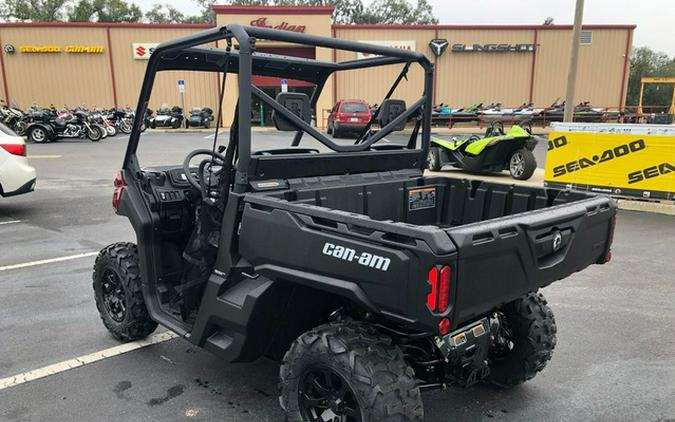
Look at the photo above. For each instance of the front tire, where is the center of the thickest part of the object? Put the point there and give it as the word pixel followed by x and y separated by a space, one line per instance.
pixel 522 164
pixel 434 159
pixel 118 293
pixel 348 372
pixel 532 333
pixel 94 134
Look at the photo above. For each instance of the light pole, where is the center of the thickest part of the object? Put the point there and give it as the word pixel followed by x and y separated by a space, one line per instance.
pixel 574 59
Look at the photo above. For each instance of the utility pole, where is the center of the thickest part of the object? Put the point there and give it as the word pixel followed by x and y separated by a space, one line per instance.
pixel 574 59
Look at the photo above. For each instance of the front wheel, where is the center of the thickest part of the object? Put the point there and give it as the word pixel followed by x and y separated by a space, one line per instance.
pixel 434 159
pixel 125 127
pixel 118 293
pixel 529 337
pixel 522 164
pixel 94 134
pixel 348 372
pixel 175 124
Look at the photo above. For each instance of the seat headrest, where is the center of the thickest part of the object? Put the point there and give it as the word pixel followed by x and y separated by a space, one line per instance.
pixel 298 104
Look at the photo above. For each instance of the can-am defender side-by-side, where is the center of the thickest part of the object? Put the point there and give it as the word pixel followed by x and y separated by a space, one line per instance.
pixel 495 152
pixel 368 280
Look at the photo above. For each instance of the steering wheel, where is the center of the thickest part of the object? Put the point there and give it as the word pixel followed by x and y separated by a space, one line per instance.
pixel 203 181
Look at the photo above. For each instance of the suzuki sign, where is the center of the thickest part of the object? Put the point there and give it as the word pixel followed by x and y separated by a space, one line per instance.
pixel 142 50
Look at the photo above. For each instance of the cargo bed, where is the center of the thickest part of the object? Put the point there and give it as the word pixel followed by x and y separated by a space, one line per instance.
pixel 501 240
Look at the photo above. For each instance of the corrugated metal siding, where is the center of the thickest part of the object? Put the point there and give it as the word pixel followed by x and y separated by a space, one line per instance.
pixel 467 78
pixel 372 84
pixel 57 78
pixel 462 78
pixel 600 73
pixel 200 87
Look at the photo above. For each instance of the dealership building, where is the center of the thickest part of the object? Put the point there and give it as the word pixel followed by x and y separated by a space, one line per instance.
pixel 102 64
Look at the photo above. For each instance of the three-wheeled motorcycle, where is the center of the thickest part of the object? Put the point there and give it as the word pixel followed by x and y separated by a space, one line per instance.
pixel 495 152
pixel 200 117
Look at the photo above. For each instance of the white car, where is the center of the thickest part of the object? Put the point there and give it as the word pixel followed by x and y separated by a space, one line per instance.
pixel 16 175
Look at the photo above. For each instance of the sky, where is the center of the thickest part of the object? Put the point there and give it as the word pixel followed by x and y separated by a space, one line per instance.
pixel 655 19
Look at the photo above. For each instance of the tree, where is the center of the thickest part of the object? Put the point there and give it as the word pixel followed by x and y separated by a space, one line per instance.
pixel 163 13
pixel 105 11
pixel 347 11
pixel 646 62
pixel 33 10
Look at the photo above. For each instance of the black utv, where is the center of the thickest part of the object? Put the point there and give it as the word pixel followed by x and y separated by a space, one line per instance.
pixel 368 280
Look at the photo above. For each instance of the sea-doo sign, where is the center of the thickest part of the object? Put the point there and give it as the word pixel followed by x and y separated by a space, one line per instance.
pixel 493 48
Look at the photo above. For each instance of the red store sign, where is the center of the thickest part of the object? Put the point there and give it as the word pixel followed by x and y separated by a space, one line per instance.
pixel 262 22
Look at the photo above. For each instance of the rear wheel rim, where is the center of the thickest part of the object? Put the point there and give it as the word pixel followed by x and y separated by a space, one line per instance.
pixel 325 396
pixel 114 299
pixel 38 135
pixel 517 165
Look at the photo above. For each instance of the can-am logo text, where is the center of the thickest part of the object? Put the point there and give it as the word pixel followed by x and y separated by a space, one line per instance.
pixel 364 258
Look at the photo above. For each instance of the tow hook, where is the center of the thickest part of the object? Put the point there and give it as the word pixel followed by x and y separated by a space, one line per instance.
pixel 466 351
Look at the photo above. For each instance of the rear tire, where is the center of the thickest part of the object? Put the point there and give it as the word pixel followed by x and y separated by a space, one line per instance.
pixel 434 159
pixel 533 334
pixel 118 293
pixel 348 369
pixel 175 124
pixel 38 135
pixel 522 164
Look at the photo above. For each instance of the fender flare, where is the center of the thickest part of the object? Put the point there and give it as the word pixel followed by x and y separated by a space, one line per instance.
pixel 51 133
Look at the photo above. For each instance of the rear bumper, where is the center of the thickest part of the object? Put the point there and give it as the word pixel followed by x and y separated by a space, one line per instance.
pixel 25 188
pixel 17 176
pixel 350 125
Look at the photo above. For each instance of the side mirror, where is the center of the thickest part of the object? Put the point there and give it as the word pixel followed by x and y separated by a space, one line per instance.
pixel 389 111
pixel 298 104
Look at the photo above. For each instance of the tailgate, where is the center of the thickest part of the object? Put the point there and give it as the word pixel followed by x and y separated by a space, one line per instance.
pixel 504 258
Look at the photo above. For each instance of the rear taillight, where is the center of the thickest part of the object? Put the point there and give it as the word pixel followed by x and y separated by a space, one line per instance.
pixel 119 184
pixel 432 297
pixel 15 149
pixel 438 299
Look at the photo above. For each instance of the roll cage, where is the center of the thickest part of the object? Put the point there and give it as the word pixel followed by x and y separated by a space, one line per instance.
pixel 243 60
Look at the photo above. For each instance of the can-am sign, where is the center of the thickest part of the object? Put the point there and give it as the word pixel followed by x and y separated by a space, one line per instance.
pixel 142 50
pixel 75 49
pixel 403 45
pixel 493 48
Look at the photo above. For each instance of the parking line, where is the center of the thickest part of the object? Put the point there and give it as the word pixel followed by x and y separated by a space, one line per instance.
pixel 9 222
pixel 80 361
pixel 47 261
pixel 210 136
pixel 33 157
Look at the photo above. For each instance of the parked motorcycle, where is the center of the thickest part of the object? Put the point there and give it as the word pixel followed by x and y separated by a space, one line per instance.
pixel 122 119
pixel 166 117
pixel 49 126
pixel 200 117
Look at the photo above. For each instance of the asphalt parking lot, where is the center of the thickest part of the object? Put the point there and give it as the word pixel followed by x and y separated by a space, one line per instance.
pixel 614 361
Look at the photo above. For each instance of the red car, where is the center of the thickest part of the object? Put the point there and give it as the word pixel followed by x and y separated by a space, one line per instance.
pixel 348 116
